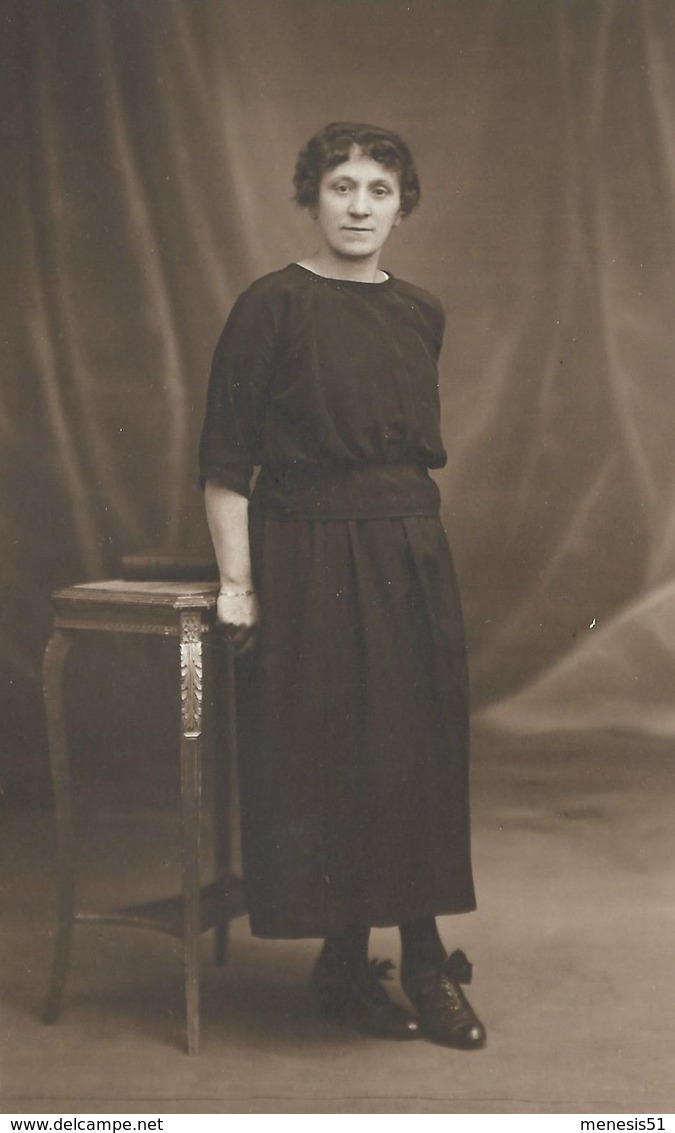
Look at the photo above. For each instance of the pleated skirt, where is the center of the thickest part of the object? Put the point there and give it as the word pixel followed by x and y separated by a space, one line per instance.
pixel 354 728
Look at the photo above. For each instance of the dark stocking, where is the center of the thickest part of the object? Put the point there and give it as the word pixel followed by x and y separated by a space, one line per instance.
pixel 422 947
pixel 348 949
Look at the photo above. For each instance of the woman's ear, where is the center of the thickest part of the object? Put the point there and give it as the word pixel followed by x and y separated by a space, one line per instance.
pixel 397 219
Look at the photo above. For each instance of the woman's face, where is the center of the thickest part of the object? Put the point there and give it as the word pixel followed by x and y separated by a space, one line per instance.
pixel 359 204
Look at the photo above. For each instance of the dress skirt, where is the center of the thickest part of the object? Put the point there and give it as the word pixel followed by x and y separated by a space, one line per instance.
pixel 354 728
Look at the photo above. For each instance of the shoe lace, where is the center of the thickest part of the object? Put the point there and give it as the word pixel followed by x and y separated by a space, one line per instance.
pixel 456 969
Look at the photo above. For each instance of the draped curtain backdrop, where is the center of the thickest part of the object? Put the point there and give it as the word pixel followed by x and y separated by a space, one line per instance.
pixel 148 147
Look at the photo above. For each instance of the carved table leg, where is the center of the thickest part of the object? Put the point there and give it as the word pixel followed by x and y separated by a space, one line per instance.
pixel 191 672
pixel 55 657
pixel 225 732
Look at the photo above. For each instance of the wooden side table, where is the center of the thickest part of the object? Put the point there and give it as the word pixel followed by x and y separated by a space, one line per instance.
pixel 185 611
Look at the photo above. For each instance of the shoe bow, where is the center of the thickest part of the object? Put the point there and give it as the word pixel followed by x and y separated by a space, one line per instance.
pixel 458 968
pixel 382 969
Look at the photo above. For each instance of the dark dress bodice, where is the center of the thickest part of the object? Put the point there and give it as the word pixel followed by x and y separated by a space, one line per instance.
pixel 314 375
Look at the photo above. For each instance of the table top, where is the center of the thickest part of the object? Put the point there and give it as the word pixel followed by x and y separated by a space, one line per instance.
pixel 114 604
pixel 118 592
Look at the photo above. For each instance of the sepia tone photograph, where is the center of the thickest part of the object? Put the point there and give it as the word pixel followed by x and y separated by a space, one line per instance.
pixel 338 572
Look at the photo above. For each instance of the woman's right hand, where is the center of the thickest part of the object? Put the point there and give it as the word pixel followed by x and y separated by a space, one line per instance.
pixel 238 615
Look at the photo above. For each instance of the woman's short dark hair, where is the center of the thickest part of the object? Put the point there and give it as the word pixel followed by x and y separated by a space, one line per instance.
pixel 332 145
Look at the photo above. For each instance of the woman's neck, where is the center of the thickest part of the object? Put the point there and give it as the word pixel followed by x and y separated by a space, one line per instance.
pixel 332 267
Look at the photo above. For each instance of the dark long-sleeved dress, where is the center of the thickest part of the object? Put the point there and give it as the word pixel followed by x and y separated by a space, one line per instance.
pixel 354 749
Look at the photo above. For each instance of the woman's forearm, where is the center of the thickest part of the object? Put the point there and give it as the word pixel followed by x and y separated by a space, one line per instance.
pixel 237 608
pixel 227 517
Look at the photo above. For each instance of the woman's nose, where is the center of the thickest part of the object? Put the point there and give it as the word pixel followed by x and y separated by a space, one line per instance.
pixel 359 204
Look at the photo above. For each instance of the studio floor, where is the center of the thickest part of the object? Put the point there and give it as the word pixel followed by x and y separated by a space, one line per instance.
pixel 572 946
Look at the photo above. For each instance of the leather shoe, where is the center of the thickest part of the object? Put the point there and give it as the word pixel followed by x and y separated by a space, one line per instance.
pixel 353 995
pixel 445 1014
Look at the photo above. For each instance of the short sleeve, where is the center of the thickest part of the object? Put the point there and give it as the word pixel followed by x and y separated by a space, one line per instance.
pixel 241 373
pixel 434 315
pixel 441 321
pixel 429 310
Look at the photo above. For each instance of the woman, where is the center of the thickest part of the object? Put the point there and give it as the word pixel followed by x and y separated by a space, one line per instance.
pixel 338 579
